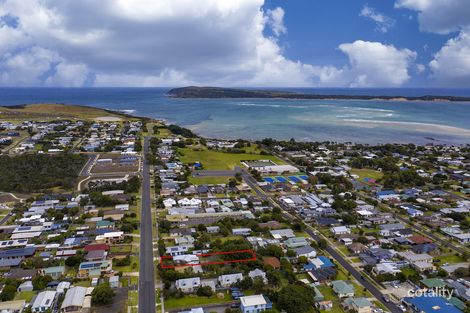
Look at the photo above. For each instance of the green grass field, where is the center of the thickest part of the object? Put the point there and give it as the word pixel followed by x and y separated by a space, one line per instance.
pixel 192 301
pixel 450 258
pixel 215 160
pixel 208 180
pixel 25 295
pixel 366 173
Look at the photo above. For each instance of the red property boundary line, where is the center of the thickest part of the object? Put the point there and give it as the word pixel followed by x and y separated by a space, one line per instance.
pixel 253 258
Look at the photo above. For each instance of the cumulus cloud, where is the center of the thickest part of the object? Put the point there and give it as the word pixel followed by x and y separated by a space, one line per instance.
pixel 276 21
pixel 376 64
pixel 439 16
pixel 451 64
pixel 171 43
pixel 384 23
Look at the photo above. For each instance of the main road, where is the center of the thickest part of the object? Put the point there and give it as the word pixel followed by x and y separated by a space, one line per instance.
pixel 338 257
pixel 147 272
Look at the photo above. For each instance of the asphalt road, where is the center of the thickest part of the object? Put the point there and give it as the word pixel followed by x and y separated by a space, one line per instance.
pixel 89 163
pixel 5 218
pixel 355 273
pixel 146 273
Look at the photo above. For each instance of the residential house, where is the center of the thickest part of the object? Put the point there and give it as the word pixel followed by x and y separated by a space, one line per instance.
pixel 296 242
pixel 386 230
pixel 115 215
pixel 15 306
pixel 254 304
pixel 357 248
pixel 44 301
pixel 340 230
pixel 306 251
pixel 282 233
pixel 257 273
pixel 229 279
pixel 359 305
pixel 94 269
pixel 241 231
pixel 342 288
pixel 77 299
pixel 213 229
pixel 54 271
pixel 188 285
pixel 25 286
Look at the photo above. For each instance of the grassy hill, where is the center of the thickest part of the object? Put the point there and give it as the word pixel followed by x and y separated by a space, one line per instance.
pixel 48 111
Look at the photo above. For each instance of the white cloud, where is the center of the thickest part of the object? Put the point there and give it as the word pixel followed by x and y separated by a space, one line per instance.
pixel 384 23
pixel 451 64
pixel 172 43
pixel 376 64
pixel 420 68
pixel 276 21
pixel 68 75
pixel 439 16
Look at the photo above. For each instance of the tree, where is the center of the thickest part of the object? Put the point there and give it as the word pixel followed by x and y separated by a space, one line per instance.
pixel 246 283
pixel 102 294
pixel 8 293
pixel 204 291
pixel 291 253
pixel 461 272
pixel 74 260
pixel 274 277
pixel 296 298
pixel 40 282
pixel 322 244
pixel 258 284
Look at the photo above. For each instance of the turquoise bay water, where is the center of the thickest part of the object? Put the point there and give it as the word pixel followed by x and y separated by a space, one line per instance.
pixel 316 120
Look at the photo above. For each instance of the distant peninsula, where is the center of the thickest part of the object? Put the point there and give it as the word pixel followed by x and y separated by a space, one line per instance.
pixel 193 92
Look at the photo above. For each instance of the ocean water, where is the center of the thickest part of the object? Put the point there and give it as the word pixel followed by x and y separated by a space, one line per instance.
pixel 316 120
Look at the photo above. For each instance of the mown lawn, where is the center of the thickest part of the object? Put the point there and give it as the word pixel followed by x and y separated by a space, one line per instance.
pixel 208 180
pixel 121 249
pixel 25 295
pixel 450 258
pixel 215 160
pixel 193 301
pixel 366 173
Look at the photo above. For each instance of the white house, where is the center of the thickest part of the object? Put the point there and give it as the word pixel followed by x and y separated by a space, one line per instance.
pixel 306 251
pixel 257 273
pixel 212 229
pixel 253 304
pixel 186 259
pixel 43 301
pixel 229 279
pixel 168 203
pixel 340 230
pixel 241 231
pixel 188 285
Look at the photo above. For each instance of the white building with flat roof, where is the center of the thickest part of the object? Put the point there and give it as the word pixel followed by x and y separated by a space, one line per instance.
pixel 253 304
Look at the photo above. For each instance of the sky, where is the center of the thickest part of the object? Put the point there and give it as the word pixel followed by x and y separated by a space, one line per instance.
pixel 236 43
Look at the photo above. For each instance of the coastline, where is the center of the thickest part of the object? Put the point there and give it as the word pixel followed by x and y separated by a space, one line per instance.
pixel 194 92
